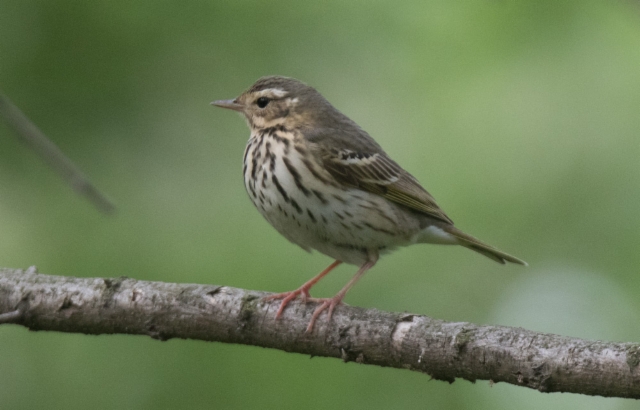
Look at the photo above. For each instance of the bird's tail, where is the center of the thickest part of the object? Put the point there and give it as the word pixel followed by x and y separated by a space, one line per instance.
pixel 475 244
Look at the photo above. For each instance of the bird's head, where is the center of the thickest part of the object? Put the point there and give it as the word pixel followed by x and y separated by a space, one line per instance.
pixel 276 100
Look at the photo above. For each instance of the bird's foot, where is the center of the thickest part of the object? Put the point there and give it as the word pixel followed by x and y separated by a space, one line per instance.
pixel 325 303
pixel 287 297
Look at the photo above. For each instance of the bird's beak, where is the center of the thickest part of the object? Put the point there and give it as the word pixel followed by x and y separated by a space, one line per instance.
pixel 228 104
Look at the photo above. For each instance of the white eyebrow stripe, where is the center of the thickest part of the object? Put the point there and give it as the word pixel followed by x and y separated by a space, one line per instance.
pixel 272 92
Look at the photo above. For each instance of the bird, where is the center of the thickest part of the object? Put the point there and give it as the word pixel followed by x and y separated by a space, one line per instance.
pixel 325 184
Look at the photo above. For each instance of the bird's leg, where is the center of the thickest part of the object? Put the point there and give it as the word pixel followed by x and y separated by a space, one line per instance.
pixel 331 303
pixel 303 290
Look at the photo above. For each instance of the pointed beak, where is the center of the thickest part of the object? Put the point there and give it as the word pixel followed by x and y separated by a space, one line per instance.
pixel 228 104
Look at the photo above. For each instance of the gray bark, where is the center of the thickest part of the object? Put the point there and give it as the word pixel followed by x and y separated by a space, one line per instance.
pixel 443 350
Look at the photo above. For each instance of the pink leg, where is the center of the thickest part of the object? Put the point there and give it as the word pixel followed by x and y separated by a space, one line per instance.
pixel 331 303
pixel 302 290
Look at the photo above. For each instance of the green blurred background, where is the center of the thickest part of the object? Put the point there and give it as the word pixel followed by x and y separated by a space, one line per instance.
pixel 521 118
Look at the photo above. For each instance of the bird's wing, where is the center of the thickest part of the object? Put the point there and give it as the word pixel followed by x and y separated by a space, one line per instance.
pixel 379 174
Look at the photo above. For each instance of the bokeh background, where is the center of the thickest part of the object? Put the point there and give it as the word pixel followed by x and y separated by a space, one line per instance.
pixel 521 118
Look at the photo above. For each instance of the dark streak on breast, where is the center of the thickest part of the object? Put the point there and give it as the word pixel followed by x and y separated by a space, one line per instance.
pixel 272 162
pixel 320 197
pixel 339 198
pixel 296 176
pixel 295 205
pixel 254 167
pixel 280 188
pixel 311 215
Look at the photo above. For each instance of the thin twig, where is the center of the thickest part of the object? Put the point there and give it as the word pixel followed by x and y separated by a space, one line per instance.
pixel 31 135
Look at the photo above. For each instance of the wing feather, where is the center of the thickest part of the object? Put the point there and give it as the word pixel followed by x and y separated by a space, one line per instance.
pixel 379 174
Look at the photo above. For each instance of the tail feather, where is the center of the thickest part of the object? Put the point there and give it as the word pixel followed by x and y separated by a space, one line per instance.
pixel 477 245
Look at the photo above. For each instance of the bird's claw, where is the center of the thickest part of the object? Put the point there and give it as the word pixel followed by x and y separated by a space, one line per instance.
pixel 325 303
pixel 288 297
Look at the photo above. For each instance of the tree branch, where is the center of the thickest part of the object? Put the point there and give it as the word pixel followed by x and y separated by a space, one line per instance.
pixel 444 350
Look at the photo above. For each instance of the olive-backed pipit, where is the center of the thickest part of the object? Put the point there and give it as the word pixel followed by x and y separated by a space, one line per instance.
pixel 325 184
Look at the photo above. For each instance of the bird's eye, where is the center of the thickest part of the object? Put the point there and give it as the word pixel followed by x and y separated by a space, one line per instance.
pixel 262 102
